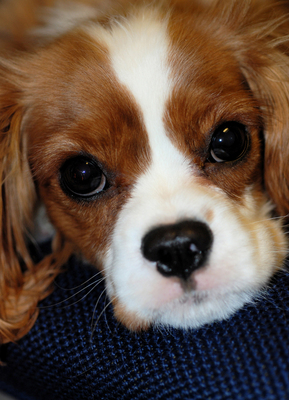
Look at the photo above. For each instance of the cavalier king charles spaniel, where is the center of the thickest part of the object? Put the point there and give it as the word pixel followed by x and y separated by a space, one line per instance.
pixel 156 136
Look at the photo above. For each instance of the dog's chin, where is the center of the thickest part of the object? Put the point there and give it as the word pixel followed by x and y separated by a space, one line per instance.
pixel 192 309
pixel 200 308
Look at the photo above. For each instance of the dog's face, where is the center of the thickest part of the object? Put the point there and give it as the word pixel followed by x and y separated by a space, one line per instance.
pixel 145 140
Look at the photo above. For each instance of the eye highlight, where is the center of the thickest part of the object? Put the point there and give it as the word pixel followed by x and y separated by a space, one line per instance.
pixel 229 142
pixel 81 177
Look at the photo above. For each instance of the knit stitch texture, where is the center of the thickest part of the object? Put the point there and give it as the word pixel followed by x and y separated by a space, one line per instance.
pixel 77 350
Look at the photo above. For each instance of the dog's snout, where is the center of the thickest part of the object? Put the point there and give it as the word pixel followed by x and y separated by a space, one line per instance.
pixel 178 249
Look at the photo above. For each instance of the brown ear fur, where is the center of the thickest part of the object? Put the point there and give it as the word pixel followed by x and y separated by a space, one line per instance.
pixel 264 58
pixel 22 283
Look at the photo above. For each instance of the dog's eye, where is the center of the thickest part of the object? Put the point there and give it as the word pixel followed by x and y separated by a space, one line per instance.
pixel 82 177
pixel 229 142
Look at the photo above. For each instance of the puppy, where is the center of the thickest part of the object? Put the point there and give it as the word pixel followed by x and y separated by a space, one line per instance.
pixel 156 136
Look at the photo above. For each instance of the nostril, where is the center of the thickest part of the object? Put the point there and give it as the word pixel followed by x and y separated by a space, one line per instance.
pixel 178 249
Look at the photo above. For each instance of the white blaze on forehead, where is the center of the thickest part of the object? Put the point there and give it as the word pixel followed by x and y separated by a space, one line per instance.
pixel 139 48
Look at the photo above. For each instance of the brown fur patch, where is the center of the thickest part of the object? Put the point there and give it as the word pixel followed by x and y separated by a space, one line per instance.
pixel 207 94
pixel 129 319
pixel 79 107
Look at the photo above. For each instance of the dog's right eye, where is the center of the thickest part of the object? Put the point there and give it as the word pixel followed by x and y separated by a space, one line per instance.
pixel 81 177
pixel 229 142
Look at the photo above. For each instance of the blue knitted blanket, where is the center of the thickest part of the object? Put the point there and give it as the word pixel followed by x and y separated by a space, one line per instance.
pixel 77 350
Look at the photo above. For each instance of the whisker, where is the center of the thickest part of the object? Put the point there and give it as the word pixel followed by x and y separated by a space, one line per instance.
pixel 105 316
pixel 95 307
pixel 100 315
pixel 76 287
pixel 94 284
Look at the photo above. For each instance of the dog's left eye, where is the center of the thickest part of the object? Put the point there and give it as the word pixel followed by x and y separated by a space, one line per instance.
pixel 82 177
pixel 229 142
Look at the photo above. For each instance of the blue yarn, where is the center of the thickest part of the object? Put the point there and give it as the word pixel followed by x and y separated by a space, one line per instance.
pixel 67 356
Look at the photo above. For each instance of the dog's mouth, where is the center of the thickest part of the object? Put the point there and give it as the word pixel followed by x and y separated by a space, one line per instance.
pixel 193 297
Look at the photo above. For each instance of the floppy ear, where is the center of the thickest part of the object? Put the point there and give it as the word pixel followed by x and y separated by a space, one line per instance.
pixel 265 63
pixel 22 282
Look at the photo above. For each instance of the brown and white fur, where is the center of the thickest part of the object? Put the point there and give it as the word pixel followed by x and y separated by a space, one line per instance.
pixel 139 89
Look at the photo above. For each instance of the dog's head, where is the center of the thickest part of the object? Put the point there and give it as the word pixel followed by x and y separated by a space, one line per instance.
pixel 158 143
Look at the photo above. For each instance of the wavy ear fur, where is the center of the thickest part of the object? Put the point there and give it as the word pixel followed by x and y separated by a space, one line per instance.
pixel 263 54
pixel 22 282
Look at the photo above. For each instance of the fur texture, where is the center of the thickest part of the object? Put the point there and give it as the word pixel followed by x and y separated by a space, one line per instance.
pixel 138 91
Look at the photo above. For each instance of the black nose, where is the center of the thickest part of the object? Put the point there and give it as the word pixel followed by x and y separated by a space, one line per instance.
pixel 178 249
